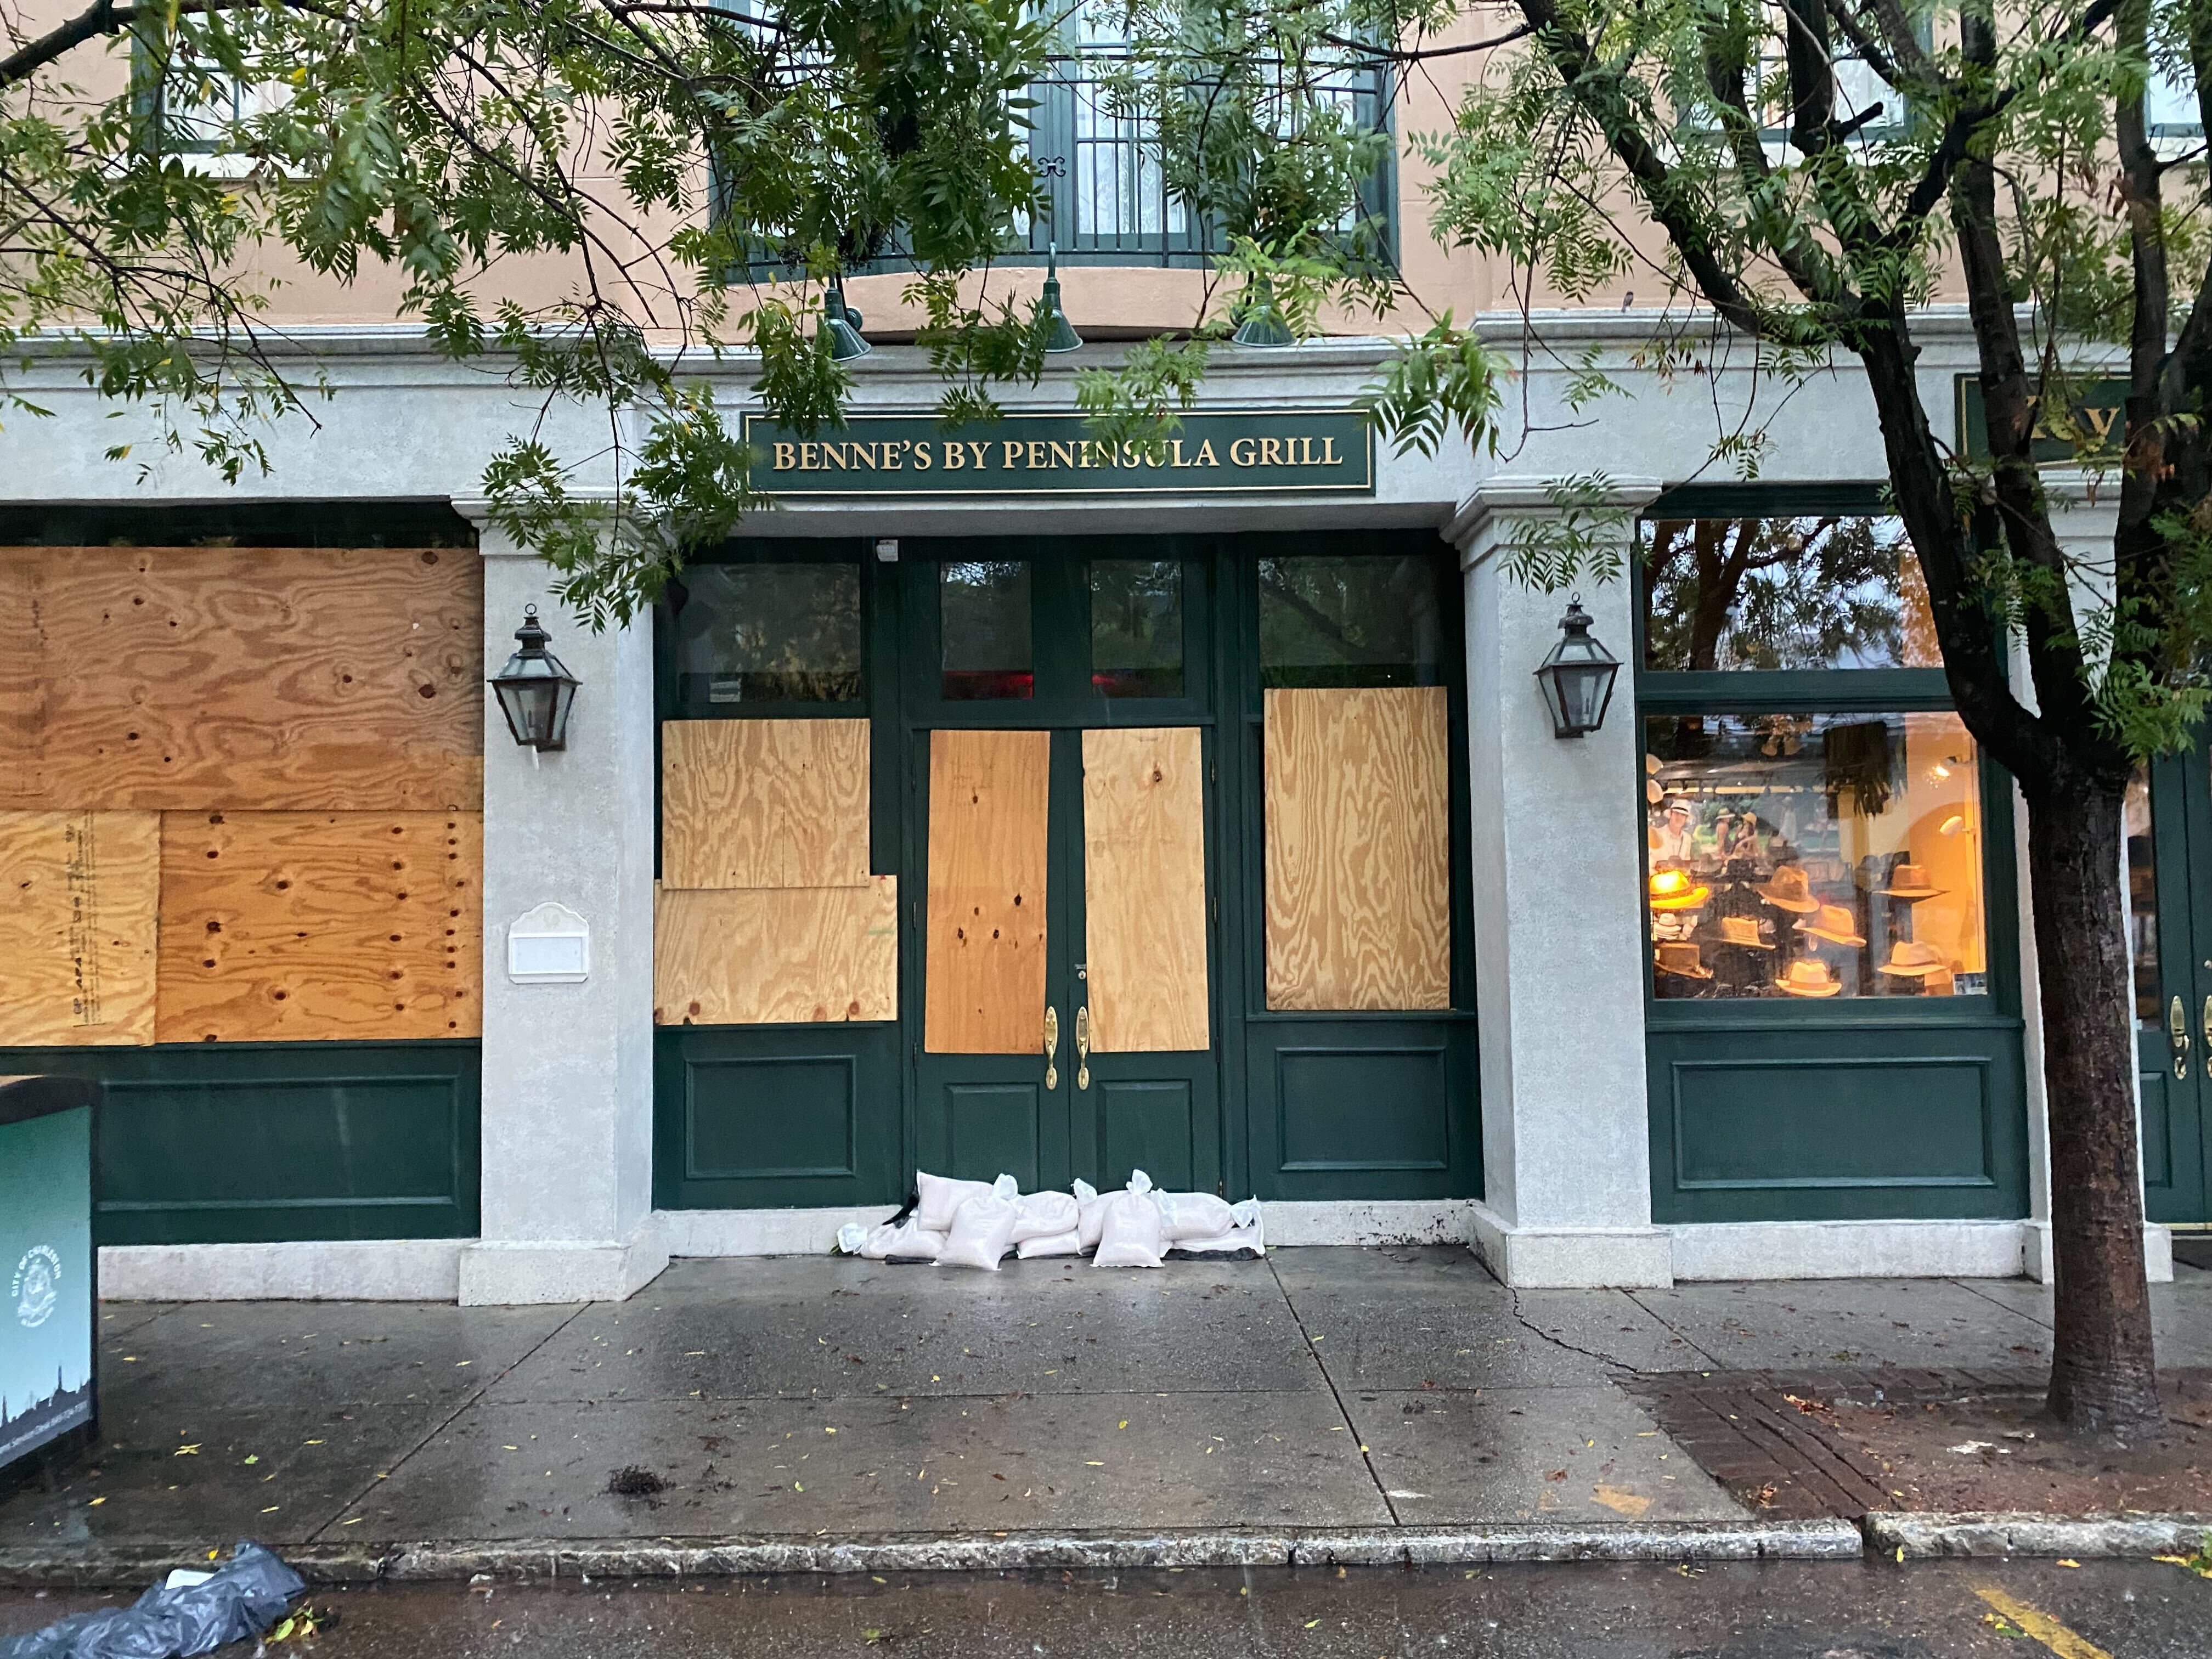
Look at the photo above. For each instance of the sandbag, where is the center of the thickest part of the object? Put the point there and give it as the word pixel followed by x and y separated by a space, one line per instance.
pixel 1129 1236
pixel 1066 1243
pixel 1192 1215
pixel 901 1241
pixel 982 1232
pixel 1090 1213
pixel 1044 1215
pixel 941 1196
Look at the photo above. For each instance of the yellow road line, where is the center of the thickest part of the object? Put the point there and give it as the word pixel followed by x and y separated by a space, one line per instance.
pixel 2043 1627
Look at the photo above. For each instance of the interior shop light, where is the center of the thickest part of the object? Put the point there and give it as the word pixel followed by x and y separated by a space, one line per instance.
pixel 842 325
pixel 534 690
pixel 1063 337
pixel 1576 679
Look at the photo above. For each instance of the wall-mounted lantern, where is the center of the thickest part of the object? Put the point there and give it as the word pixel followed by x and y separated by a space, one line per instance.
pixel 534 690
pixel 1063 337
pixel 1260 318
pixel 1576 679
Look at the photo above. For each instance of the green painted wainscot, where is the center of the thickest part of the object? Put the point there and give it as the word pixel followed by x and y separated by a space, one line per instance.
pixel 255 1142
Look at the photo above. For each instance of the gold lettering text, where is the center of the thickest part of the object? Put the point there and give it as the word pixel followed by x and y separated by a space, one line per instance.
pixel 1063 454
pixel 1206 455
pixel 1328 455
pixel 1243 452
pixel 1014 455
pixel 786 457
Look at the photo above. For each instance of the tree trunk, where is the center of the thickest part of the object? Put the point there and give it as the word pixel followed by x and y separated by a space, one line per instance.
pixel 2104 1382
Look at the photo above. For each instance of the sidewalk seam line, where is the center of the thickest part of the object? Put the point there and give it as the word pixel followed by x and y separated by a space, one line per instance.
pixel 1666 1324
pixel 1351 1428
pixel 446 1422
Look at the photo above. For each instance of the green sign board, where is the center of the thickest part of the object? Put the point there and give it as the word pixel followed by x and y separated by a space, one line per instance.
pixel 2099 420
pixel 46 1264
pixel 1219 452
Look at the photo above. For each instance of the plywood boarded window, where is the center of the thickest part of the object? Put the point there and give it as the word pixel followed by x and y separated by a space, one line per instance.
pixel 1358 869
pixel 764 803
pixel 78 894
pixel 1144 863
pixel 983 984
pixel 775 954
pixel 320 925
pixel 242 678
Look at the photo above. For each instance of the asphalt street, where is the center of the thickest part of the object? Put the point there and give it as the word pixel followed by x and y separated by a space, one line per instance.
pixel 1870 1610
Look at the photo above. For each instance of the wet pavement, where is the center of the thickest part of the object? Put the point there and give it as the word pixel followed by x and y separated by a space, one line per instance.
pixel 805 1397
pixel 1875 1610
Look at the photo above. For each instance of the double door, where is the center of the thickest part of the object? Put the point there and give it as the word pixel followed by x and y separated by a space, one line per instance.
pixel 2169 837
pixel 1062 1010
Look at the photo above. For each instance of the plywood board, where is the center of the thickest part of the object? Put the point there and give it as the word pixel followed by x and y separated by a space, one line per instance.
pixel 78 892
pixel 223 677
pixel 304 926
pixel 1357 848
pixel 1144 901
pixel 989 818
pixel 764 803
pixel 775 956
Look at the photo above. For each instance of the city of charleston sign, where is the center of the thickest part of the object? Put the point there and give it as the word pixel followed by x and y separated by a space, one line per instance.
pixel 1216 452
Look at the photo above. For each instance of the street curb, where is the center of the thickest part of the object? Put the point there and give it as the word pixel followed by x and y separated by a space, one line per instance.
pixel 1928 1537
pixel 607 1558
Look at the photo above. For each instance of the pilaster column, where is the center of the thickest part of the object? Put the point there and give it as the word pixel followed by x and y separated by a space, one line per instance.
pixel 1560 960
pixel 568 1067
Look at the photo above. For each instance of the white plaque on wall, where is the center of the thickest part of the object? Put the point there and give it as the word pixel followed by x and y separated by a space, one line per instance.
pixel 548 945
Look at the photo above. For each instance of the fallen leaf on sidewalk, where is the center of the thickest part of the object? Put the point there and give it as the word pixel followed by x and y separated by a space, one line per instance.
pixel 1630 1504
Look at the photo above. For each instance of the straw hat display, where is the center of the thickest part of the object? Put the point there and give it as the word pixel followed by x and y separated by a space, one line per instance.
pixel 1809 977
pixel 1789 890
pixel 1835 924
pixel 1684 961
pixel 1673 890
pixel 1743 930
pixel 1910 881
pixel 1913 960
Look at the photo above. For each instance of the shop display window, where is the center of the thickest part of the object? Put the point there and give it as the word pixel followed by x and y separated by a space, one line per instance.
pixel 1352 620
pixel 768 633
pixel 985 617
pixel 1136 628
pixel 1815 592
pixel 1814 856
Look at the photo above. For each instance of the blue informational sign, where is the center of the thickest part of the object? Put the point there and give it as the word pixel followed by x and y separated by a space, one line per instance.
pixel 46 1266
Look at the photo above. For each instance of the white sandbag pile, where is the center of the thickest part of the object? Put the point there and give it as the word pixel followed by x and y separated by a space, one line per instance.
pixel 974 1224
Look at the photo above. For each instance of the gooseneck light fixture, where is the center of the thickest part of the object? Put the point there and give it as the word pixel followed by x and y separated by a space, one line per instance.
pixel 1576 679
pixel 534 690
pixel 842 325
pixel 1262 323
pixel 1063 337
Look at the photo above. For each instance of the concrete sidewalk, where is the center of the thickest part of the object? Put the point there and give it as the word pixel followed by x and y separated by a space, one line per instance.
pixel 811 1398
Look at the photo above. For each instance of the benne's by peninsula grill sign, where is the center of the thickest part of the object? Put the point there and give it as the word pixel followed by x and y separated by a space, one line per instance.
pixel 1216 451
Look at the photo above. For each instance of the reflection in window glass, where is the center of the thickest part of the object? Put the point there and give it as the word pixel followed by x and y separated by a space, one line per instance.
pixel 768 633
pixel 1333 621
pixel 1825 592
pixel 1814 856
pixel 985 615
pixel 1136 628
pixel 2143 899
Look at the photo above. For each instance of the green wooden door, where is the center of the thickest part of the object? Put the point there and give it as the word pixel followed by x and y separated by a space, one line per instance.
pixel 2169 825
pixel 1059 883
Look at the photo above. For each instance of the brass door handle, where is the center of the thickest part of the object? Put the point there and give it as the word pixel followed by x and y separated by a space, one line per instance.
pixel 1052 1045
pixel 2177 1030
pixel 1082 1042
pixel 2208 1024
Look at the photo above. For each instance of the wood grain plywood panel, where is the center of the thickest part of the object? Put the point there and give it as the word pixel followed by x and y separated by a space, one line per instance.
pixel 1144 903
pixel 1358 865
pixel 245 677
pixel 78 898
pixel 319 925
pixel 764 803
pixel 775 956
pixel 989 819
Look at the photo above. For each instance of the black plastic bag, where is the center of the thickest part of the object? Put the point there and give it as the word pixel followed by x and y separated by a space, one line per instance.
pixel 244 1597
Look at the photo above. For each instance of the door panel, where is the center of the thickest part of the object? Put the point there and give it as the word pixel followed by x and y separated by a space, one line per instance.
pixel 2169 840
pixel 989 844
pixel 1143 847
